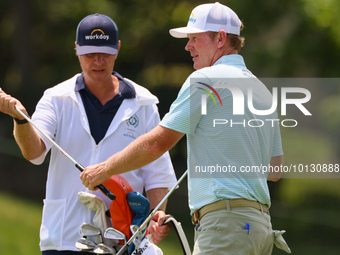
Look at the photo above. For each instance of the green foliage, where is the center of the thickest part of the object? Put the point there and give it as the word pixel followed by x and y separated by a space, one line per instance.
pixel 329 108
pixel 37 43
pixel 303 146
pixel 19 221
pixel 324 14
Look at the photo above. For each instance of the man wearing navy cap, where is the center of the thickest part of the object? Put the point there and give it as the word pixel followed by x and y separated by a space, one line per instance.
pixel 92 115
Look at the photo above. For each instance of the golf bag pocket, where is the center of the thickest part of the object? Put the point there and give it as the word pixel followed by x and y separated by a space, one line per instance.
pixel 52 223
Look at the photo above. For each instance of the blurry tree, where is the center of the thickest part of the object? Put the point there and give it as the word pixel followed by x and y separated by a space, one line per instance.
pixel 292 39
pixel 324 14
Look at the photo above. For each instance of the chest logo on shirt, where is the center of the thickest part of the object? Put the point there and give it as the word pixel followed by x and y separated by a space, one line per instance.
pixel 130 134
pixel 133 121
pixel 204 97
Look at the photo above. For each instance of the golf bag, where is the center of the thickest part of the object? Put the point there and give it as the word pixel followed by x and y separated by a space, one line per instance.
pixel 127 212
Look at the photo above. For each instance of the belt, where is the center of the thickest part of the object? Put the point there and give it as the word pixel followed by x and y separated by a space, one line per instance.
pixel 222 204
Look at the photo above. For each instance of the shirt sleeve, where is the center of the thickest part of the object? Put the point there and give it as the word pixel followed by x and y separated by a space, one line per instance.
pixel 44 118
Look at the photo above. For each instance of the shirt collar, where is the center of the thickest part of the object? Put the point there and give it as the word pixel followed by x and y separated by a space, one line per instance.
pixel 235 60
pixel 126 89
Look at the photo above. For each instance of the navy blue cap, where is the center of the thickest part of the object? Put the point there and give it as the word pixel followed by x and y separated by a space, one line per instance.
pixel 97 33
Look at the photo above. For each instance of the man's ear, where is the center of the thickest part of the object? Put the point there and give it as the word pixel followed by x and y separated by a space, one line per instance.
pixel 75 47
pixel 119 44
pixel 221 38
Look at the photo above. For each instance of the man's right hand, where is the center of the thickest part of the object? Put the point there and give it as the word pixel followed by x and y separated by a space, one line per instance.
pixel 7 106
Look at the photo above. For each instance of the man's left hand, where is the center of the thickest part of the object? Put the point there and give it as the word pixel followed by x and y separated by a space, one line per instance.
pixel 156 227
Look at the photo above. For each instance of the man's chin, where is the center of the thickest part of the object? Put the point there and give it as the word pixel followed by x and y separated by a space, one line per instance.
pixel 197 67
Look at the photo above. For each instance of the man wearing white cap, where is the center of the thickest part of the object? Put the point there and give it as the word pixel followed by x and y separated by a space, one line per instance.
pixel 230 210
pixel 91 115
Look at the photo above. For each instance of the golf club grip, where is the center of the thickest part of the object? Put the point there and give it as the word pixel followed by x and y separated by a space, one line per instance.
pixel 105 190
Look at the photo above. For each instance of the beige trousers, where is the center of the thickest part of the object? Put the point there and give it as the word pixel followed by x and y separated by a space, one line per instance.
pixel 234 231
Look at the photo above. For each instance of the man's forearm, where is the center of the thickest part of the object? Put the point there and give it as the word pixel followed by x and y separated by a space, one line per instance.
pixel 29 141
pixel 155 196
pixel 275 162
pixel 143 151
pixel 25 135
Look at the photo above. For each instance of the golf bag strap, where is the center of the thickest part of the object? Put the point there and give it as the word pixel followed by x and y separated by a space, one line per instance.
pixel 169 219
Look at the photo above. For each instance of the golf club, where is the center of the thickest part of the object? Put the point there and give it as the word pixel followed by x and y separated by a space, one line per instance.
pixel 91 232
pixel 84 244
pixel 138 239
pixel 87 229
pixel 105 190
pixel 91 236
pixel 103 249
pixel 112 233
pixel 169 219
pixel 144 224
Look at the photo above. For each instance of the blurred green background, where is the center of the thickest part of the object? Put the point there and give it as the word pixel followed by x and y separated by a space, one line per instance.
pixel 292 38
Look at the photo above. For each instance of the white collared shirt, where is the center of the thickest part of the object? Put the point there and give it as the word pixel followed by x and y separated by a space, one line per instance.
pixel 61 114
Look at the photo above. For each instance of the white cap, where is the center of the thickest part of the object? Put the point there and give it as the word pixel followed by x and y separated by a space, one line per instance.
pixel 209 17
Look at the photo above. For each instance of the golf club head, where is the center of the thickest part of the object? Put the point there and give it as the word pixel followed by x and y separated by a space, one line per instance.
pixel 84 244
pixel 134 228
pixel 91 232
pixel 104 249
pixel 112 233
pixel 137 241
pixel 87 229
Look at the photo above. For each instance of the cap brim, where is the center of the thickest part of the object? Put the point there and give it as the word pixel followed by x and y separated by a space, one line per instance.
pixel 82 50
pixel 182 32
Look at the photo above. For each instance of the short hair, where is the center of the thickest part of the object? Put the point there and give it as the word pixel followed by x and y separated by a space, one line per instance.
pixel 236 41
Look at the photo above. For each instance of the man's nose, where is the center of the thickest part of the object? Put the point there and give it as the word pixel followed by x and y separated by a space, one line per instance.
pixel 99 58
pixel 188 47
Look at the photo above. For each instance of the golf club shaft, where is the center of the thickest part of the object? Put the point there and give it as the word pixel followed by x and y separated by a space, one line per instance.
pixel 143 226
pixel 104 189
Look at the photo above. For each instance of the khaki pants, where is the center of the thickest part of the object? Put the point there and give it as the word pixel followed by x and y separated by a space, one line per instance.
pixel 223 232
